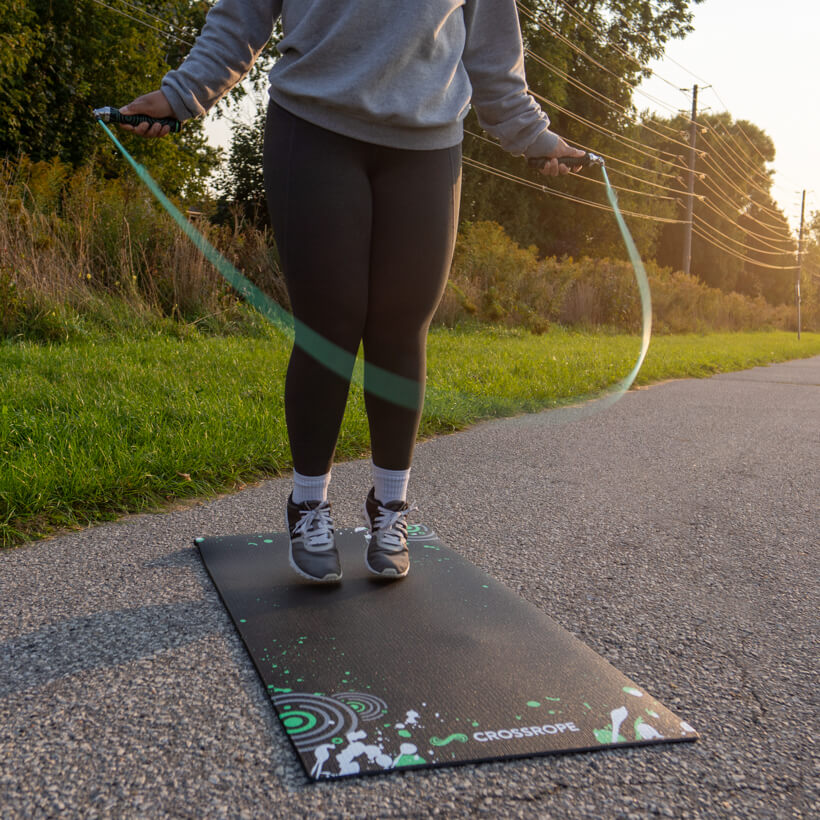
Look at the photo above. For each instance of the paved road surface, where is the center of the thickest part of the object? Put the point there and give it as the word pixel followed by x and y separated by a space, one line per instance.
pixel 676 533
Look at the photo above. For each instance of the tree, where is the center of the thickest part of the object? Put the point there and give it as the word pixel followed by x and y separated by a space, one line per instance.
pixel 741 239
pixel 241 180
pixel 70 56
pixel 619 37
pixel 810 274
pixel 20 40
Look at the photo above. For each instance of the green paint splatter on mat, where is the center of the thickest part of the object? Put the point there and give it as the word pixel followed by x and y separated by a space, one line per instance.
pixel 437 741
pixel 605 735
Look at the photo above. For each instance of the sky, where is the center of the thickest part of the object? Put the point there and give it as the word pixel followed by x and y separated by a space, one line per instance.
pixel 762 60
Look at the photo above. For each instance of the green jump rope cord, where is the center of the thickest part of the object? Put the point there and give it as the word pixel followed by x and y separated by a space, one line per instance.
pixel 643 288
pixel 382 383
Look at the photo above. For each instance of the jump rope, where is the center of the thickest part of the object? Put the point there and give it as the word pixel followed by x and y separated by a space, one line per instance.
pixel 376 380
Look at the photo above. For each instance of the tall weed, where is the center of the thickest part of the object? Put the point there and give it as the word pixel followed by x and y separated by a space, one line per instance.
pixel 75 249
pixel 494 280
pixel 83 255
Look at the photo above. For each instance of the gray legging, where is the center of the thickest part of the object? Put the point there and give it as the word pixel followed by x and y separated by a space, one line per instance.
pixel 366 235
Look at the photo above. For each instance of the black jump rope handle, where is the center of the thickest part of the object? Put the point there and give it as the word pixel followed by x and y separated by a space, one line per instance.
pixel 571 162
pixel 109 114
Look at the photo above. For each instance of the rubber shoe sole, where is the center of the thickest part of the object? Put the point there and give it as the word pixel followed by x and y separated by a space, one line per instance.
pixel 389 573
pixel 328 578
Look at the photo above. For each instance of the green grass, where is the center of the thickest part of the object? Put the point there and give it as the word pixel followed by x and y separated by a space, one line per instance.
pixel 93 430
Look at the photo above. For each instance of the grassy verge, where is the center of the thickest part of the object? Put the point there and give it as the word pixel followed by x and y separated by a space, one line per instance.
pixel 94 430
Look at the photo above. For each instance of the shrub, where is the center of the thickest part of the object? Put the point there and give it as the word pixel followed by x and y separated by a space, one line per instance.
pixel 81 254
pixel 75 245
pixel 495 280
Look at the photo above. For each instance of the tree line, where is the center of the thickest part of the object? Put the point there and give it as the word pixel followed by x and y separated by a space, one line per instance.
pixel 585 59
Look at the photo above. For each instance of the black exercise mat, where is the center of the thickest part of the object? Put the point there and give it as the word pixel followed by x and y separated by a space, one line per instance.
pixel 445 666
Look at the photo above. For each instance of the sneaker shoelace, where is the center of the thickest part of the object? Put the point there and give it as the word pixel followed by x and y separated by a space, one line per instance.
pixel 316 526
pixel 392 528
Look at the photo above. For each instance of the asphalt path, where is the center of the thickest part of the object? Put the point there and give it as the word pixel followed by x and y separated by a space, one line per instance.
pixel 675 533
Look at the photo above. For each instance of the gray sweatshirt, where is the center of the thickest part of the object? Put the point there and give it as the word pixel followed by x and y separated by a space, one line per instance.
pixel 400 73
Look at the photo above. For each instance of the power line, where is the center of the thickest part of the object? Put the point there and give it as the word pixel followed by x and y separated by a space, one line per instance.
pixel 489 169
pixel 631 57
pixel 723 248
pixel 148 13
pixel 720 99
pixel 634 86
pixel 722 181
pixel 608 102
pixel 562 195
pixel 541 21
pixel 776 234
pixel 627 163
pixel 598 96
pixel 745 194
pixel 644 181
pixel 706 85
pixel 143 23
pixel 639 147
pixel 734 219
pixel 738 150
pixel 582 177
pixel 708 160
pixel 739 161
pixel 723 103
pixel 746 246
pixel 738 153
pixel 746 172
pixel 732 139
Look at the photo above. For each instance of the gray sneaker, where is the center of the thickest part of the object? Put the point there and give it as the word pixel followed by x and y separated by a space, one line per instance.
pixel 313 552
pixel 387 555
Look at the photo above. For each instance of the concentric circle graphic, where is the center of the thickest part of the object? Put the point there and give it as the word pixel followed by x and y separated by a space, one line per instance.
pixel 419 532
pixel 297 721
pixel 367 707
pixel 311 720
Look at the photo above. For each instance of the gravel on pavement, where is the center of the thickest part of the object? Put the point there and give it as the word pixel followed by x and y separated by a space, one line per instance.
pixel 676 533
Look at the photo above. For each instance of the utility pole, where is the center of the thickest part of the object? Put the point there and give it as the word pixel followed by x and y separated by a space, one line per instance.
pixel 690 201
pixel 800 261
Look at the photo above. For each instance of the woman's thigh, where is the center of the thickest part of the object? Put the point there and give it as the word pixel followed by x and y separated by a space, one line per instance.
pixel 320 204
pixel 415 218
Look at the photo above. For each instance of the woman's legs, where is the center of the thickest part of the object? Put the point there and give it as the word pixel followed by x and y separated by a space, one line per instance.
pixel 365 234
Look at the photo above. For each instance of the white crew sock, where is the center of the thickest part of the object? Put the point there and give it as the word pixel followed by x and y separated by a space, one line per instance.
pixel 310 487
pixel 390 485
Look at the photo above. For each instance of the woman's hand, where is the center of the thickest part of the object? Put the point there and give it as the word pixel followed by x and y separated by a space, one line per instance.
pixel 154 105
pixel 553 168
